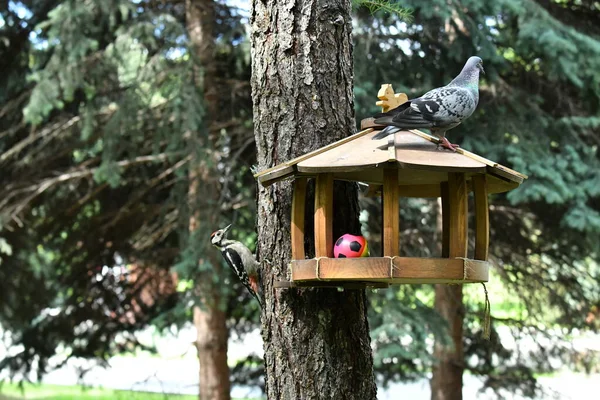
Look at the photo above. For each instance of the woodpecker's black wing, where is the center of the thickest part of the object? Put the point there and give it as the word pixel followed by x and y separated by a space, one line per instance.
pixel 234 260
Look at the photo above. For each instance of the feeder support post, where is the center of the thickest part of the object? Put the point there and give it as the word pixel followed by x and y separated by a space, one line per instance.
pixel 457 215
pixel 482 217
pixel 298 216
pixel 446 382
pixel 445 195
pixel 324 215
pixel 391 213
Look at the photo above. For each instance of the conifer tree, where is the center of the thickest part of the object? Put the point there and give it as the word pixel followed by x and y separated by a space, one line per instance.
pixel 538 114
pixel 95 159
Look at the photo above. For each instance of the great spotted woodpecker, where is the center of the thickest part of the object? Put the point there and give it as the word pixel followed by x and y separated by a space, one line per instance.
pixel 240 259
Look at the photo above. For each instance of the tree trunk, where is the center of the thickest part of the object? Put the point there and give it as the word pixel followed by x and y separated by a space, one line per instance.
pixel 446 381
pixel 317 343
pixel 210 319
pixel 211 344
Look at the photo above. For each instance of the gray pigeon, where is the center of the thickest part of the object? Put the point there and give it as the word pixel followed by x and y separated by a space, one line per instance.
pixel 439 109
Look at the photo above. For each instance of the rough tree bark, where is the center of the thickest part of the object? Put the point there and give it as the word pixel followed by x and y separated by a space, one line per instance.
pixel 317 343
pixel 210 319
pixel 446 381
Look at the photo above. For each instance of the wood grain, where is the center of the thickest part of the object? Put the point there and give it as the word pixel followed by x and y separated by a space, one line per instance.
pixel 457 219
pixel 331 284
pixel 367 123
pixel 494 165
pixel 276 175
pixel 414 150
pixel 445 219
pixel 298 216
pixel 313 153
pixel 324 216
pixel 377 269
pixel 391 213
pixel 482 217
pixel 359 158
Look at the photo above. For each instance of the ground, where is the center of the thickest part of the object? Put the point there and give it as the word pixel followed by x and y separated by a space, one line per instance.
pixel 176 371
pixel 56 392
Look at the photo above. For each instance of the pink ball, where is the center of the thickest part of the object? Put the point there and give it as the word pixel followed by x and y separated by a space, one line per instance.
pixel 351 246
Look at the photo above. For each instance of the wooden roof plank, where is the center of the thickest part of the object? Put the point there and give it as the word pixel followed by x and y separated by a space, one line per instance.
pixel 361 153
pixel 275 175
pixel 474 156
pixel 316 152
pixel 358 157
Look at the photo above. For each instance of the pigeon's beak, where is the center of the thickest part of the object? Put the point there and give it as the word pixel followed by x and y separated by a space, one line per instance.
pixel 481 69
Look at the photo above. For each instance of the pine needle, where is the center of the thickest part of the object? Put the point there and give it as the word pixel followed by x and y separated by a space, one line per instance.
pixel 392 7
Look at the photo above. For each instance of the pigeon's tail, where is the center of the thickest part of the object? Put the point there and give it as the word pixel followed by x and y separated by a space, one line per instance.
pixel 388 130
pixel 384 119
pixel 399 118
pixel 400 122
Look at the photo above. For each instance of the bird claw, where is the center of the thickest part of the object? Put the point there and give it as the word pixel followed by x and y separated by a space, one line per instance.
pixel 447 145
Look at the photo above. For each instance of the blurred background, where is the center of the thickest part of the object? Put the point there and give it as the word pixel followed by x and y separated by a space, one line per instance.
pixel 126 139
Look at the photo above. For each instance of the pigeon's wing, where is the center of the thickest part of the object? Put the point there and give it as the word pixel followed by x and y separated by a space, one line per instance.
pixel 446 106
pixel 442 108
pixel 438 107
pixel 407 115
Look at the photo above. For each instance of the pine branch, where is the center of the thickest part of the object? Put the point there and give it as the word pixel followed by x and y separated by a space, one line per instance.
pixel 36 189
pixel 136 197
pixel 15 103
pixel 51 131
pixel 392 7
pixel 150 234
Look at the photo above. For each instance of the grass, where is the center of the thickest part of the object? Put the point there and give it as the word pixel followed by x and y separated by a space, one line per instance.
pixel 9 391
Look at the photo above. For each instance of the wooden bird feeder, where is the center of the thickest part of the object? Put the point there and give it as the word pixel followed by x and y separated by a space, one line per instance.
pixel 406 164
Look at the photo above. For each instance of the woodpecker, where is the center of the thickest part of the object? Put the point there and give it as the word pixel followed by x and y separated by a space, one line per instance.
pixel 240 259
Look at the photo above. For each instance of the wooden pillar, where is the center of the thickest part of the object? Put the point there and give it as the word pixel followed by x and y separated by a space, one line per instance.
pixel 482 217
pixel 457 215
pixel 445 220
pixel 324 216
pixel 391 213
pixel 298 214
pixel 446 382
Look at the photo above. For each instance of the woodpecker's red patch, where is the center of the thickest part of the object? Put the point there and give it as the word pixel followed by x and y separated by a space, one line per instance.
pixel 212 235
pixel 254 283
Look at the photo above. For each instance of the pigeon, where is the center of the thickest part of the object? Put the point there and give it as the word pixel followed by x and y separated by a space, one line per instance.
pixel 439 109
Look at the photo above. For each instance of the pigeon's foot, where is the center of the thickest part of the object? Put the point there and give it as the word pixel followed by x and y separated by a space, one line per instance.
pixel 447 145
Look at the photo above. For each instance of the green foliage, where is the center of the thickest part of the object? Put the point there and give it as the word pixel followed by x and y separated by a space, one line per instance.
pixel 392 7
pixel 97 140
pixel 100 102
pixel 403 328
pixel 538 113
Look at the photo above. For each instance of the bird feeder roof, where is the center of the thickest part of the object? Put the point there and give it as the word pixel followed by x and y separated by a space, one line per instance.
pixel 421 165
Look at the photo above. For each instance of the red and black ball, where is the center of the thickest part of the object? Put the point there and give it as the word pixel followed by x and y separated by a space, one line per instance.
pixel 351 246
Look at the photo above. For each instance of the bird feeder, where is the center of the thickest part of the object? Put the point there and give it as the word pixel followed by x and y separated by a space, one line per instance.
pixel 405 164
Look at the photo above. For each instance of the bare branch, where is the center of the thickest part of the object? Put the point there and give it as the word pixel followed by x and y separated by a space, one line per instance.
pixel 51 131
pixel 36 189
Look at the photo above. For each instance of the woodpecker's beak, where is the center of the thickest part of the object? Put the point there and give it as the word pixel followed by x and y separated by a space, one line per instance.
pixel 226 228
